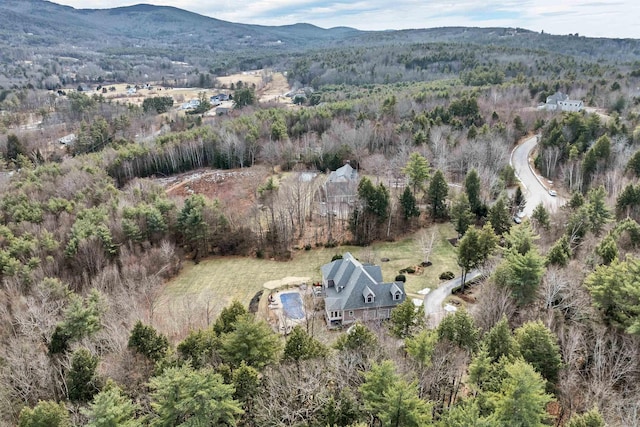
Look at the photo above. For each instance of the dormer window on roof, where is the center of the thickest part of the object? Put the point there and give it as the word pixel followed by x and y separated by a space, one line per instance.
pixel 396 292
pixel 368 295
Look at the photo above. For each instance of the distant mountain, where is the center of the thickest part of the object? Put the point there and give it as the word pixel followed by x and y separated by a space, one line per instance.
pixel 41 22
pixel 42 29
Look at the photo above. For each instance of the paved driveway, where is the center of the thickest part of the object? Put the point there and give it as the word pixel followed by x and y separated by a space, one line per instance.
pixel 433 309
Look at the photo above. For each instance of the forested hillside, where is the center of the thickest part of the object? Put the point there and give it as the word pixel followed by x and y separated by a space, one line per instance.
pixel 94 229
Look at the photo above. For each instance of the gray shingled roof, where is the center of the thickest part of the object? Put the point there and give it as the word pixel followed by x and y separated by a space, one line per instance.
pixel 353 281
pixel 558 96
pixel 345 173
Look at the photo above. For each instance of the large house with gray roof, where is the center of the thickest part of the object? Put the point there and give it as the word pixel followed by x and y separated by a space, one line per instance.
pixel 354 291
pixel 560 101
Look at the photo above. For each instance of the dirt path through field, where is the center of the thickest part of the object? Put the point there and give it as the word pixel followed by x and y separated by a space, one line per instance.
pixel 276 89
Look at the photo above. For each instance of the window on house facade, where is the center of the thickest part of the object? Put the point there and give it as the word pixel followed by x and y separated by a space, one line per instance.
pixel 369 298
pixel 396 296
pixel 351 313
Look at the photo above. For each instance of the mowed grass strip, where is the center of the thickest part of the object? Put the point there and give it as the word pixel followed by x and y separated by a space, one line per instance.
pixel 219 281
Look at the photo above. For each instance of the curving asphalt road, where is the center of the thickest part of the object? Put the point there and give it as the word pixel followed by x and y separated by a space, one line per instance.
pixel 534 188
pixel 536 191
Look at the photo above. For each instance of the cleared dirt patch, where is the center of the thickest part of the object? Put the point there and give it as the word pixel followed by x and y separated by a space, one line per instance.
pixel 235 188
pixel 276 89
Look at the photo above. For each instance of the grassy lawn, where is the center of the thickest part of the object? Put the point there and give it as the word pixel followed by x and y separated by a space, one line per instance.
pixel 216 282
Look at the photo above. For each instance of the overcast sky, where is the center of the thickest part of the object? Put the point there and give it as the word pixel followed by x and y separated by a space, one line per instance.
pixel 604 18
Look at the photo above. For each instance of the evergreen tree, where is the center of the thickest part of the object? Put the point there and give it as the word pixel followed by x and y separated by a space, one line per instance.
pixel 406 318
pixel 158 104
pixel 615 290
pixel 521 239
pixel 82 318
pixel 93 137
pixel 576 201
pixel 628 201
pixel 539 347
pixel 45 414
pixel 521 401
pixel 377 381
pixel 244 97
pixel 437 196
pixel 500 217
pixel 358 338
pixel 463 414
pixel 417 170
pixel 301 346
pixel 341 410
pixel 409 205
pixel 373 211
pixel 192 224
pixel 199 347
pixel 246 381
pixel 560 252
pixel 82 382
pixel 460 329
pixel 521 274
pixel 607 249
pixel 392 400
pixel 474 249
pixel 591 418
pixel 519 202
pixel 500 342
pixel 461 215
pixel 252 341
pixel 403 407
pixel 182 396
pixel 473 191
pixel 226 321
pixel 540 216
pixel 480 369
pixel 598 211
pixel 14 148
pixel 110 408
pixel 421 346
pixel 519 127
pixel 634 164
pixel 147 341
pixel 486 377
pixel 602 149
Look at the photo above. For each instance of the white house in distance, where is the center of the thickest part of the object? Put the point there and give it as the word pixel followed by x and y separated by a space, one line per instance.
pixel 560 101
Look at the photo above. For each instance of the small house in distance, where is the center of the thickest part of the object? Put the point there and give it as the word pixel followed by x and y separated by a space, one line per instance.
pixel 68 139
pixel 560 101
pixel 342 185
pixel 354 291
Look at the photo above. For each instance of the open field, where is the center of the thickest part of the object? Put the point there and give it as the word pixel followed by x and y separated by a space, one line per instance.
pixel 273 90
pixel 214 283
pixel 246 77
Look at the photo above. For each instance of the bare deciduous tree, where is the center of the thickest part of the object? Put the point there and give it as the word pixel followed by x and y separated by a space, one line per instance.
pixel 426 244
pixel 494 302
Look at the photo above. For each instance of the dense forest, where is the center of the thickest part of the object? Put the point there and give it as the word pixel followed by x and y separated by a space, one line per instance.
pixel 90 236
